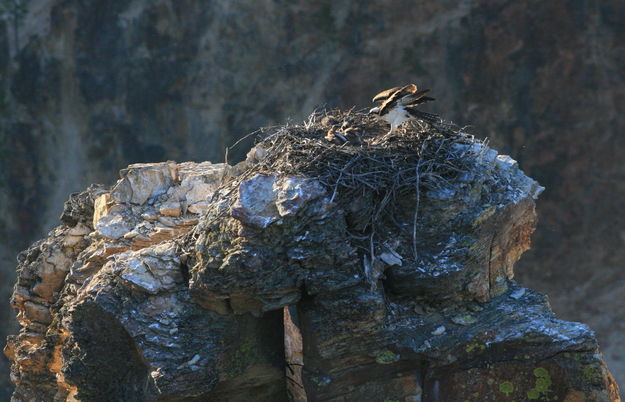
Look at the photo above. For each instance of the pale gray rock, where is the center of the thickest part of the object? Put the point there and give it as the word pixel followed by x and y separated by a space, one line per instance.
pixel 293 193
pixel 143 182
pixel 263 199
pixel 256 202
pixel 153 271
pixel 113 226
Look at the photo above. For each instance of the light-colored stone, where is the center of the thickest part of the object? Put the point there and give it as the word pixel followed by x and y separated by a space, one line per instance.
pixel 198 208
pixel 54 267
pixel 506 162
pixel 391 258
pixel 75 235
pixel 264 199
pixel 292 193
pixel 131 235
pixel 71 241
pixel 200 193
pixel 152 271
pixel 150 216
pixel 37 312
pixel 142 182
pixel 101 208
pixel 167 221
pixel 113 226
pixel 170 208
pixel 256 202
pixel 79 230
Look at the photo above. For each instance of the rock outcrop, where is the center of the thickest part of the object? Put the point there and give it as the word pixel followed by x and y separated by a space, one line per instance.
pixel 115 82
pixel 382 264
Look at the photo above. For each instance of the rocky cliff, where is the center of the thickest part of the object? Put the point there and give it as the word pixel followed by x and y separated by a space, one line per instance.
pixel 334 263
pixel 91 87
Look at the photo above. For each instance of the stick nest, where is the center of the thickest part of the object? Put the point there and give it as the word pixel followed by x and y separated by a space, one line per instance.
pixel 351 154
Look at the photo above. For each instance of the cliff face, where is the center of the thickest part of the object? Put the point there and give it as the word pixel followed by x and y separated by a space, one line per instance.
pixel 334 263
pixel 110 83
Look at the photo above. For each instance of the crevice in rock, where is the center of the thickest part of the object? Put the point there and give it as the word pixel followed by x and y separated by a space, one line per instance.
pixel 294 356
pixel 184 269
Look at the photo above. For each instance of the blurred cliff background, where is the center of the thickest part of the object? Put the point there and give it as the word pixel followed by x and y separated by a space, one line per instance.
pixel 88 87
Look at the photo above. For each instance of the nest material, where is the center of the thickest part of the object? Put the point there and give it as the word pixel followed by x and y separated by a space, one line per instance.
pixel 352 156
pixel 366 171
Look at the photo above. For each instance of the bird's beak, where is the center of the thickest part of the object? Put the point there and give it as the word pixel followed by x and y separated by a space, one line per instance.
pixel 374 110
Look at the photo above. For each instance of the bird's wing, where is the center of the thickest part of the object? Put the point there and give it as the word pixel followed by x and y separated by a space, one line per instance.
pixel 429 117
pixel 415 98
pixel 382 96
pixel 395 98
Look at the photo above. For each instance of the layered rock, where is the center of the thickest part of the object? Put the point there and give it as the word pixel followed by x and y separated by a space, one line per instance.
pixel 109 283
pixel 382 264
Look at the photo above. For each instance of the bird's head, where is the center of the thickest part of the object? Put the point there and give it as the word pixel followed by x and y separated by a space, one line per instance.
pixel 375 110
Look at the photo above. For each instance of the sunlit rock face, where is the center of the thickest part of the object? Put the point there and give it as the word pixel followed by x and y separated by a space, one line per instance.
pixel 200 281
pixel 111 277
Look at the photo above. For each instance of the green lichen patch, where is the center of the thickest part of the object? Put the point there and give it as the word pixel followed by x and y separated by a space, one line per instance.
pixel 474 347
pixel 542 385
pixel 386 357
pixel 506 387
pixel 533 394
pixel 540 372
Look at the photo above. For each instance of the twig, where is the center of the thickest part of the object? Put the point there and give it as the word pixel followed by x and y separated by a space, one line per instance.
pixel 336 186
pixel 416 210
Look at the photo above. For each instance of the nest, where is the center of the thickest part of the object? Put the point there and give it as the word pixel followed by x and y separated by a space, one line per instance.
pixel 351 154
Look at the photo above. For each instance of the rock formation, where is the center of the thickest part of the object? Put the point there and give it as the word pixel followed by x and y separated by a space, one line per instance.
pixel 115 82
pixel 382 264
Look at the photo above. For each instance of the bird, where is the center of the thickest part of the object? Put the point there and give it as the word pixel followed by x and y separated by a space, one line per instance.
pixel 399 104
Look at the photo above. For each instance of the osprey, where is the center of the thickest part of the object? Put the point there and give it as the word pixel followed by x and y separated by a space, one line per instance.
pixel 398 105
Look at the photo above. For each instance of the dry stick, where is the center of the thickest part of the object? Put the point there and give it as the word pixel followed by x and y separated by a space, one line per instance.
pixel 416 210
pixel 372 248
pixel 385 200
pixel 336 186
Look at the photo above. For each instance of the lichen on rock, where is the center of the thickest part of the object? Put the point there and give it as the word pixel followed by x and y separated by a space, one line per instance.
pixel 387 258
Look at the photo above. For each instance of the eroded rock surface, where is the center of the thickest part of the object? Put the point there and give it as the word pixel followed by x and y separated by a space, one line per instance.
pixel 386 263
pixel 106 292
